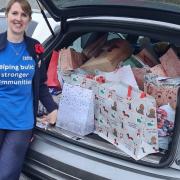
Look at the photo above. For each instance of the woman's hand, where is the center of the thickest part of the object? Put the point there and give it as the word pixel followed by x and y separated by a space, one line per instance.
pixel 50 118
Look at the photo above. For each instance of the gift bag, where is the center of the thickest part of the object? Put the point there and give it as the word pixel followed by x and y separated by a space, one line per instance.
pixel 52 76
pixel 76 110
pixel 106 61
pixel 69 59
pixel 139 76
pixel 127 119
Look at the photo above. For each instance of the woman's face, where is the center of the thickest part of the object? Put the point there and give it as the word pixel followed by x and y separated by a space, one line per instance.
pixel 17 19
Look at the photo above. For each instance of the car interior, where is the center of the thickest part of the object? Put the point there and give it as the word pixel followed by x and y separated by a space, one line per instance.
pixel 159 44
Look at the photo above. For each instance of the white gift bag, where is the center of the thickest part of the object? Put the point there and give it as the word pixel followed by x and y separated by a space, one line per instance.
pixel 76 110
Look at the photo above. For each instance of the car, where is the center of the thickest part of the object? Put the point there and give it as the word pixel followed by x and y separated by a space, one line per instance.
pixel 59 154
pixel 37 29
pixel 3 22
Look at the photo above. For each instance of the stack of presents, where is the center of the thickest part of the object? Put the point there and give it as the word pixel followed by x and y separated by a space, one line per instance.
pixel 128 98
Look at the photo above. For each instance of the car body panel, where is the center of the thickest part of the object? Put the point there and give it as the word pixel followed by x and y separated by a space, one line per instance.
pixel 78 162
pixel 125 8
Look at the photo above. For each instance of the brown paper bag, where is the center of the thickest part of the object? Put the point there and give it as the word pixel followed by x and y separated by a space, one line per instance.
pixel 107 61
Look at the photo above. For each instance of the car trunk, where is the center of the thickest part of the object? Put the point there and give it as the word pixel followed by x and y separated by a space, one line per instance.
pixel 74 29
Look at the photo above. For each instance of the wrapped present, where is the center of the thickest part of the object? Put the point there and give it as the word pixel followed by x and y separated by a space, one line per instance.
pixel 171 63
pixel 127 119
pixel 163 89
pixel 69 59
pixel 165 119
pixel 158 70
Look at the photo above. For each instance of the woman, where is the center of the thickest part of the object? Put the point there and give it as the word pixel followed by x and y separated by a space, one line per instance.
pixel 22 77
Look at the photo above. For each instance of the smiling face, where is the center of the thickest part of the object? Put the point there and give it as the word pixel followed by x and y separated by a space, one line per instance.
pixel 17 19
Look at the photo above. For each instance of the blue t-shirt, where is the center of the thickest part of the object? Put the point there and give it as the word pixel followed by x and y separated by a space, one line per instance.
pixel 16 97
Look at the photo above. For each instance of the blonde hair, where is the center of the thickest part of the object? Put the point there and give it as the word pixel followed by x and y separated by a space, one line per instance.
pixel 24 5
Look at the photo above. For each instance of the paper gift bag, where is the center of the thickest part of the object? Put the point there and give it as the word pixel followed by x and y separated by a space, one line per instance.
pixel 127 119
pixel 52 76
pixel 76 110
pixel 164 90
pixel 139 76
pixel 69 59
